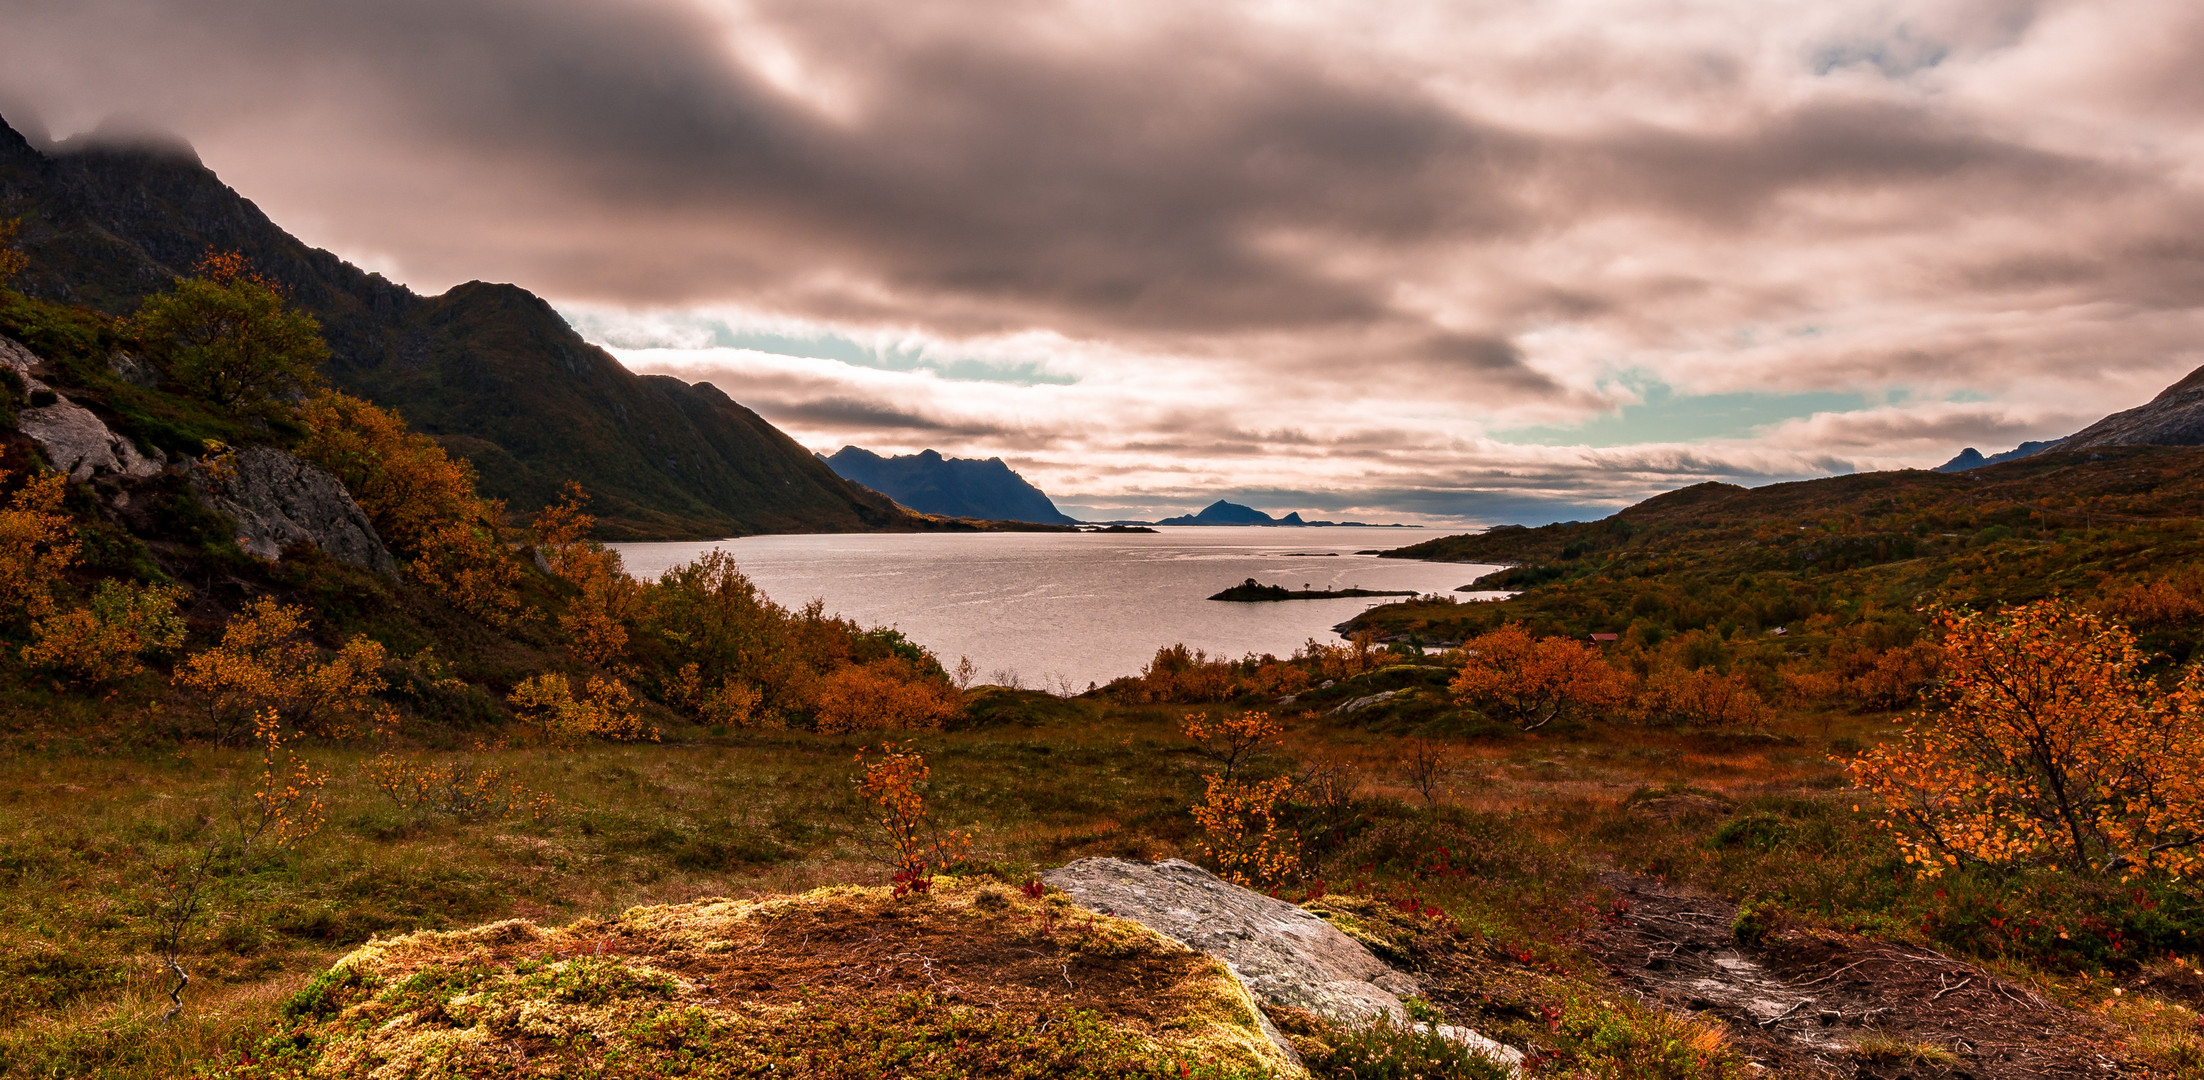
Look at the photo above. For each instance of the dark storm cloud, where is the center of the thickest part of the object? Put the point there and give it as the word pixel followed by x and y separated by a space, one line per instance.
pixel 1393 240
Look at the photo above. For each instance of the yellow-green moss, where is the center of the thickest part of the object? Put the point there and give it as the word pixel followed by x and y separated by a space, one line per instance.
pixel 636 997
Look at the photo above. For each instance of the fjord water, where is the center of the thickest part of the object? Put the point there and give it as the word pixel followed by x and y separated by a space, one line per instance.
pixel 1066 609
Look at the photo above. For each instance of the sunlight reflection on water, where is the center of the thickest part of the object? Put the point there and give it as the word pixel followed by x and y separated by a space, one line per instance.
pixel 1066 609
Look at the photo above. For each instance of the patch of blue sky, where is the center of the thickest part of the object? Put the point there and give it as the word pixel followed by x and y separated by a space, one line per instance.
pixel 1896 55
pixel 706 331
pixel 1663 416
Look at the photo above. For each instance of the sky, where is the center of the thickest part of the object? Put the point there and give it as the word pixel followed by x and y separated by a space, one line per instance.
pixel 1514 260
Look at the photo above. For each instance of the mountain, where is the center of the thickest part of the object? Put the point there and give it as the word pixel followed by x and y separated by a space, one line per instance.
pixel 1971 458
pixel 1226 513
pixel 2174 418
pixel 953 487
pixel 490 370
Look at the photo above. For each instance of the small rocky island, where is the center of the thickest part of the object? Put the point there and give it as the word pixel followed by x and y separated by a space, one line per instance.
pixel 1252 591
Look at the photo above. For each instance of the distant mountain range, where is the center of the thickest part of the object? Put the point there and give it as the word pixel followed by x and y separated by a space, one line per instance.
pixel 2174 418
pixel 954 487
pixel 1231 513
pixel 490 371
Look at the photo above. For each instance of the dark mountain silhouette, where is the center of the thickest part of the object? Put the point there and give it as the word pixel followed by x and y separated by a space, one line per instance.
pixel 954 487
pixel 490 370
pixel 1971 458
pixel 1227 513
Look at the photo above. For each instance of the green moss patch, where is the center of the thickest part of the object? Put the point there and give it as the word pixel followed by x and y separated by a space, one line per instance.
pixel 968 980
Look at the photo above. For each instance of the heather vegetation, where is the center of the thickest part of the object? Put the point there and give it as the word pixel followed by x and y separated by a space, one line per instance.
pixel 228 773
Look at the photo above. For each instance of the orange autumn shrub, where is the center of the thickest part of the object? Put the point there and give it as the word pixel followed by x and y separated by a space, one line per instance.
pixel 460 788
pixel 606 601
pixel 1702 698
pixel 732 702
pixel 106 641
pixel 883 695
pixel 1242 833
pixel 1230 739
pixel 893 789
pixel 285 806
pixel 1531 682
pixel 266 660
pixel 2047 745
pixel 38 542
pixel 422 500
pixel 605 709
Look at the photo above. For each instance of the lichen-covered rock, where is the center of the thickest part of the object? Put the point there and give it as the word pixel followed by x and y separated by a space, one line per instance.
pixel 72 437
pixel 278 499
pixel 967 980
pixel 1287 956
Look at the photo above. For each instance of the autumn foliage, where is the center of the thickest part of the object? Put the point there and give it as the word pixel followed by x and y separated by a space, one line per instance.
pixel 1230 739
pixel 1532 681
pixel 2047 745
pixel 267 661
pixel 893 788
pixel 107 641
pixel 38 543
pixel 1243 832
pixel 422 501
pixel 228 335
pixel 605 709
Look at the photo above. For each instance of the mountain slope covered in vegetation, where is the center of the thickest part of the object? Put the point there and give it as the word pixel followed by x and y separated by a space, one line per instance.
pixel 490 371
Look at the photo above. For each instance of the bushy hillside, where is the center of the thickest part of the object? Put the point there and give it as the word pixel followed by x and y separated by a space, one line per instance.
pixel 489 370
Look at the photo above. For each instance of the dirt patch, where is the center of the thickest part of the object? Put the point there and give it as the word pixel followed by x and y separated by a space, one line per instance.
pixel 1816 1003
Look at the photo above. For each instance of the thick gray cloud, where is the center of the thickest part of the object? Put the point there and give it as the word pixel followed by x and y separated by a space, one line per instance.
pixel 1343 240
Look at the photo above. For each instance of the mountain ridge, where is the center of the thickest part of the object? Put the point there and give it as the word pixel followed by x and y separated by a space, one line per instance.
pixel 489 370
pixel 930 483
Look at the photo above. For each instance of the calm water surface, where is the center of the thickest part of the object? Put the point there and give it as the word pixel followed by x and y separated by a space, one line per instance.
pixel 1066 609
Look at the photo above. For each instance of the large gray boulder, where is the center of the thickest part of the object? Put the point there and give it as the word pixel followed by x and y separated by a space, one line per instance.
pixel 278 499
pixel 1287 956
pixel 72 437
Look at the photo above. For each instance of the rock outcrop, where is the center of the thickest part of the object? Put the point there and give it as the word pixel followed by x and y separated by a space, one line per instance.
pixel 278 500
pixel 1287 956
pixel 74 439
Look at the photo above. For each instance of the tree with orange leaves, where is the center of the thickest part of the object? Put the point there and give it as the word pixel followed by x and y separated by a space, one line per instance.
pixel 229 335
pixel 38 541
pixel 606 598
pixel 1532 682
pixel 2048 745
pixel 422 500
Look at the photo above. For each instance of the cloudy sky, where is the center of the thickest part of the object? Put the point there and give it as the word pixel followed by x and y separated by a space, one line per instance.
pixel 1476 261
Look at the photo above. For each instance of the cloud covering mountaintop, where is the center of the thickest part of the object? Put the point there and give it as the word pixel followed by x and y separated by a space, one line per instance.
pixel 1498 262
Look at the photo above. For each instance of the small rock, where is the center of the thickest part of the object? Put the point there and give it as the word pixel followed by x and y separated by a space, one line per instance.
pixel 1358 704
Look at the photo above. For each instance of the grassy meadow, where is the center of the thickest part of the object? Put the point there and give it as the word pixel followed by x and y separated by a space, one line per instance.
pixel 1505 846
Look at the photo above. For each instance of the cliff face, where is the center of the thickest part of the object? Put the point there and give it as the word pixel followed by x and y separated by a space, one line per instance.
pixel 489 370
pixel 954 487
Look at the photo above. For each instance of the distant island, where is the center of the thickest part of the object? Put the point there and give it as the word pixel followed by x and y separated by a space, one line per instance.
pixel 1118 528
pixel 1232 513
pixel 952 487
pixel 1254 592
